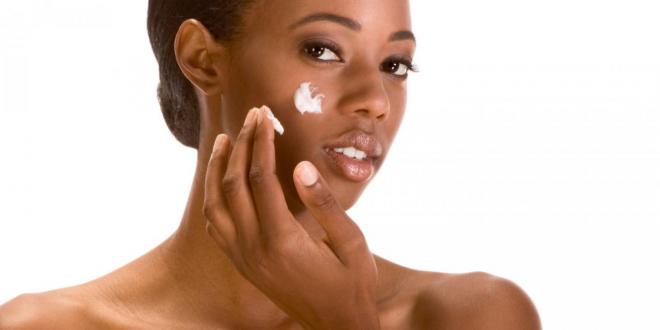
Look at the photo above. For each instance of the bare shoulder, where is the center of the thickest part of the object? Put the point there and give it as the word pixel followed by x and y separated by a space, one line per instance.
pixel 475 300
pixel 48 310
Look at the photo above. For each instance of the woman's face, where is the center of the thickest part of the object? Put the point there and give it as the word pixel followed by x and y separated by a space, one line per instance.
pixel 356 53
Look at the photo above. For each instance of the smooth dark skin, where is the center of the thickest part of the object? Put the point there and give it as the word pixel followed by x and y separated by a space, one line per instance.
pixel 188 282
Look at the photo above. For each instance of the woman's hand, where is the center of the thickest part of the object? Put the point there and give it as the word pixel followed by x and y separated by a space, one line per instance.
pixel 322 286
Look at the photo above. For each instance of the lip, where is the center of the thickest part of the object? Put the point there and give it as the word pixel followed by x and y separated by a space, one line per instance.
pixel 359 140
pixel 353 169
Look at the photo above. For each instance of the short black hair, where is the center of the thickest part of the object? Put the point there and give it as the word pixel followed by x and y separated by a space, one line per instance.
pixel 223 19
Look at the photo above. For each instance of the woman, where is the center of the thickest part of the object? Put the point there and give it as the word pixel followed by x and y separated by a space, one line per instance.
pixel 265 242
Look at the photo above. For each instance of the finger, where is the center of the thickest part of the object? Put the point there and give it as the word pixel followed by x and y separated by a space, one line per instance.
pixel 217 237
pixel 235 186
pixel 275 219
pixel 346 238
pixel 215 208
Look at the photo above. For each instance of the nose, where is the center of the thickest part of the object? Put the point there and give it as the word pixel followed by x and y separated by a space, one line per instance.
pixel 365 93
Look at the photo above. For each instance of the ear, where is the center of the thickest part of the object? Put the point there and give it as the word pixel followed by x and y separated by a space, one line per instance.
pixel 195 50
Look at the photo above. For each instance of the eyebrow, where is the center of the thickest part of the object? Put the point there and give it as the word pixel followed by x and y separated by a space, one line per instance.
pixel 349 23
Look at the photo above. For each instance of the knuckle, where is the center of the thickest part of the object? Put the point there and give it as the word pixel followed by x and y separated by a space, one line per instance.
pixel 353 245
pixel 209 208
pixel 279 245
pixel 255 262
pixel 251 248
pixel 231 185
pixel 357 243
pixel 285 246
pixel 256 174
pixel 324 201
pixel 278 240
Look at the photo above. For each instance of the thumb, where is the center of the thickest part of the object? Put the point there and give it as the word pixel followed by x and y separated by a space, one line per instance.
pixel 346 238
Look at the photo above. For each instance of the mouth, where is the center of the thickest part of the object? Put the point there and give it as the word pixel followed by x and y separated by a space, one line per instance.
pixel 353 155
pixel 353 169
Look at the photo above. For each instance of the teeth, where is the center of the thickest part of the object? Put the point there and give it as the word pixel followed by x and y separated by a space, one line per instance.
pixel 352 152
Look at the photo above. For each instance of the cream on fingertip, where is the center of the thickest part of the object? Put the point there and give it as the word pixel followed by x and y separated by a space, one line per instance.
pixel 276 123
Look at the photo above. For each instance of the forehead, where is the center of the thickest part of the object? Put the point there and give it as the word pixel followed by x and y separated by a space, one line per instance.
pixel 382 16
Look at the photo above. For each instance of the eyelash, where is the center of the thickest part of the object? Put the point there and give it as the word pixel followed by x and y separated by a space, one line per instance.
pixel 337 50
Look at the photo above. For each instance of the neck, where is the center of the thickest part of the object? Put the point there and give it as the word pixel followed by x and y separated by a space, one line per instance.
pixel 189 274
pixel 203 274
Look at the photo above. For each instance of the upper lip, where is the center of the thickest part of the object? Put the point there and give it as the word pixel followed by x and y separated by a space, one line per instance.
pixel 358 139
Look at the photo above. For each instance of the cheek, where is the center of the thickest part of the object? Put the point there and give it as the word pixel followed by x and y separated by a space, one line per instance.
pixel 398 96
pixel 264 82
pixel 257 77
pixel 300 127
pixel 302 133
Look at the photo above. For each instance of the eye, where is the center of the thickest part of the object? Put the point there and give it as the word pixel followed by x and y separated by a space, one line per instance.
pixel 324 51
pixel 328 51
pixel 399 67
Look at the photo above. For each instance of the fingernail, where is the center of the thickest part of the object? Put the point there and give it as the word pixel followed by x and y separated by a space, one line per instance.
pixel 307 174
pixel 250 116
pixel 219 140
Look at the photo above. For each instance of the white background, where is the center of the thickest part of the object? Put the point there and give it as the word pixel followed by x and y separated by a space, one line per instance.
pixel 530 150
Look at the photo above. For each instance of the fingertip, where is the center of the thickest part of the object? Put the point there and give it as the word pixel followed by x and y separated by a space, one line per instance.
pixel 306 173
pixel 274 124
pixel 219 141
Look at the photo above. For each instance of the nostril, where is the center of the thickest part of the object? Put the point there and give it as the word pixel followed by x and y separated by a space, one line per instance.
pixel 363 111
pixel 375 113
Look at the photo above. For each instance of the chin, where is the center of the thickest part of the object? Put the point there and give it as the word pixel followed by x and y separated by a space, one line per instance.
pixel 348 193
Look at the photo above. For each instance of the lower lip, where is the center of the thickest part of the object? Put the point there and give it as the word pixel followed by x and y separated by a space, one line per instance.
pixel 351 168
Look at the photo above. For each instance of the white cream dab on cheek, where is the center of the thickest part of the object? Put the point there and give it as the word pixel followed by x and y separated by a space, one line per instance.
pixel 276 123
pixel 305 101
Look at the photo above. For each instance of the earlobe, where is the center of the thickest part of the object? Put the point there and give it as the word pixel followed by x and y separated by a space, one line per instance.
pixel 195 48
